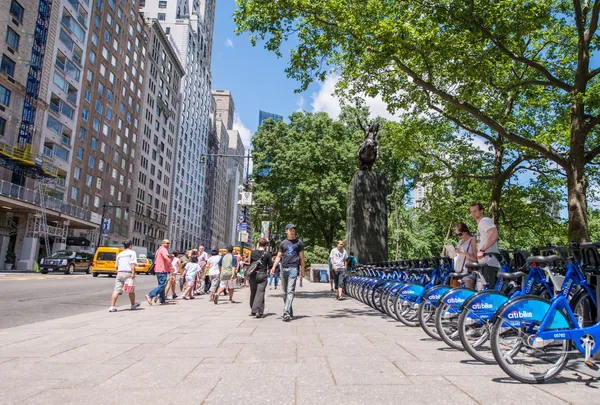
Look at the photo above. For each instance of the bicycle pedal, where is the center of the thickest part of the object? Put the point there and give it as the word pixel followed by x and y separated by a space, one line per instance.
pixel 592 365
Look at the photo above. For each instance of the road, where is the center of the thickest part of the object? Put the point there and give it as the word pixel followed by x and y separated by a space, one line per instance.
pixel 28 297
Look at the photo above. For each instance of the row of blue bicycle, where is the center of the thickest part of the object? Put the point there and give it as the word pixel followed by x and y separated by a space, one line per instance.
pixel 540 311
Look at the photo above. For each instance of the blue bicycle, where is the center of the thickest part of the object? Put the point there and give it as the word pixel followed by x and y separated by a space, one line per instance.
pixel 532 337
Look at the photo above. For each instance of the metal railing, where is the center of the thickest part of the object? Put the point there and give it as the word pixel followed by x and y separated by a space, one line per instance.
pixel 31 196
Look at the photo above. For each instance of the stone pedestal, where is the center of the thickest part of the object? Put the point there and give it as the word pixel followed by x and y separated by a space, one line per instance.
pixel 29 253
pixel 366 217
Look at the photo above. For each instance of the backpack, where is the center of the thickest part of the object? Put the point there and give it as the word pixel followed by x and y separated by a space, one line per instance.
pixel 248 270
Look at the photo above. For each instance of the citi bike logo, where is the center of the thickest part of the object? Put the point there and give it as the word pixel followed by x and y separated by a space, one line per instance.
pixel 567 288
pixel 455 300
pixel 529 286
pixel 482 305
pixel 408 292
pixel 519 314
pixel 434 297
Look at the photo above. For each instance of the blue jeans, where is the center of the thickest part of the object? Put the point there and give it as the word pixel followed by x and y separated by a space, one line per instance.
pixel 289 275
pixel 160 288
pixel 275 277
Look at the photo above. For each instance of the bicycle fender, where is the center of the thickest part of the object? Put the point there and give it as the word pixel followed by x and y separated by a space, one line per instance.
pixel 434 294
pixel 483 305
pixel 529 309
pixel 456 296
pixel 411 291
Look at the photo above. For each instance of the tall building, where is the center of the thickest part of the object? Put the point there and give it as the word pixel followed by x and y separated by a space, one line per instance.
pixel 263 115
pixel 190 25
pixel 40 82
pixel 235 177
pixel 155 149
pixel 111 99
pixel 419 193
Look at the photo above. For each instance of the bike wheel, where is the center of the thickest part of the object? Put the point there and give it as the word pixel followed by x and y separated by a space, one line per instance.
pixel 474 335
pixel 446 323
pixel 407 312
pixel 521 355
pixel 584 309
pixel 426 314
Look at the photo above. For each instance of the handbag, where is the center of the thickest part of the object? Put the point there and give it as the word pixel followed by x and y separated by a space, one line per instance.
pixel 248 270
pixel 129 286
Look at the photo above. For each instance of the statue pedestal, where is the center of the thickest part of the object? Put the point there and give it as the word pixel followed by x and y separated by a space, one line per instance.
pixel 366 217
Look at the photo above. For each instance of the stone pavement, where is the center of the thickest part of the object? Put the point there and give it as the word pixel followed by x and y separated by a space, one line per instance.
pixel 194 352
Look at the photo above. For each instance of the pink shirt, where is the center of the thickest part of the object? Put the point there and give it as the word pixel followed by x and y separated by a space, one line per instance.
pixel 159 260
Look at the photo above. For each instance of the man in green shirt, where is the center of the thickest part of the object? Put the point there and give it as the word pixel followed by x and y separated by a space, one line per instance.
pixel 228 270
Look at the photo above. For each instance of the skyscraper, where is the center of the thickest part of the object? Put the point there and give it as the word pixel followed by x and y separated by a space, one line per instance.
pixel 189 23
pixel 263 115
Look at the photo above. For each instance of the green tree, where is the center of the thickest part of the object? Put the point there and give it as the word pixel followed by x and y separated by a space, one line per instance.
pixel 466 58
pixel 302 170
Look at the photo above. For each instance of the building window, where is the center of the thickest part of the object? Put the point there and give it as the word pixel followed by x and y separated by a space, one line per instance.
pixel 87 96
pixel 12 38
pixel 162 16
pixel 168 30
pixel 162 4
pixel 4 96
pixel 79 153
pixel 74 192
pixel 17 11
pixel 61 153
pixel 94 143
pixel 92 57
pixel 95 39
pixel 2 126
pixel 91 162
pixel 86 200
pixel 8 66
pixel 88 180
pixel 96 201
pixel 77 173
pixel 82 133
pixel 84 114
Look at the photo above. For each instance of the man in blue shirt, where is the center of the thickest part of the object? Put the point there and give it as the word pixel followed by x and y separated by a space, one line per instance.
pixel 291 256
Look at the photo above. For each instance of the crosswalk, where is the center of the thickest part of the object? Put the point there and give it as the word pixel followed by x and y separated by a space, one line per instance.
pixel 38 276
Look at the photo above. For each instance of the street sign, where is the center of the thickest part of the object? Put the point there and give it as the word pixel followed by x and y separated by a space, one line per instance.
pixel 243 237
pixel 105 227
pixel 246 198
pixel 265 229
pixel 241 218
pixel 242 226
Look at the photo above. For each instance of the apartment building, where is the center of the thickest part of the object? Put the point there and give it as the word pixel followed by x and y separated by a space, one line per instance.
pixel 156 145
pixel 110 121
pixel 235 177
pixel 190 25
pixel 42 58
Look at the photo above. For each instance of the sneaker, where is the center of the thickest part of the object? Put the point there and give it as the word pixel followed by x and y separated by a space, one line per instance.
pixel 149 300
pixel 252 314
pixel 216 299
pixel 135 306
pixel 175 296
pixel 185 298
pixel 156 299
pixel 112 309
pixel 287 318
pixel 258 316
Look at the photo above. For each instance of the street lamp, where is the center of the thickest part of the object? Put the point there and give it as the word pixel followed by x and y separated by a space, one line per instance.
pixel 104 207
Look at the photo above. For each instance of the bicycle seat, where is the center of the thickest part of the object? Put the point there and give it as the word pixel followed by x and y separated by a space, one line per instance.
pixel 458 276
pixel 511 276
pixel 544 259
pixel 471 265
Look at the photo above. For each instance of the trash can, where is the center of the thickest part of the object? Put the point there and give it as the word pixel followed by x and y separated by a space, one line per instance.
pixel 323 276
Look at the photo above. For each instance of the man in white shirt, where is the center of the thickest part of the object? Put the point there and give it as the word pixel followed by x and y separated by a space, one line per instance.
pixel 338 256
pixel 487 242
pixel 125 262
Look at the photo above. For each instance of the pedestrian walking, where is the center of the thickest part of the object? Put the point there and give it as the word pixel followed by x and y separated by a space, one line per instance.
pixel 189 275
pixel 227 269
pixel 183 260
pixel 212 269
pixel 466 250
pixel 162 267
pixel 338 256
pixel 175 269
pixel 274 277
pixel 291 256
pixel 487 243
pixel 258 278
pixel 203 256
pixel 125 262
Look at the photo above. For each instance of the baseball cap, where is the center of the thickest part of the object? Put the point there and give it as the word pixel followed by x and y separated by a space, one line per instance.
pixel 290 226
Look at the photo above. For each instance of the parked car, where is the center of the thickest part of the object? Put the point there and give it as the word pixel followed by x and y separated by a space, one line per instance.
pixel 105 261
pixel 143 265
pixel 67 261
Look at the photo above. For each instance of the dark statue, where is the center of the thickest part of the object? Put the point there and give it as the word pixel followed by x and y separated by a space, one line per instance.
pixel 368 152
pixel 366 215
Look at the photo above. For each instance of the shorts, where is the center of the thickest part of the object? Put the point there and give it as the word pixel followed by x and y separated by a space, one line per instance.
pixel 339 276
pixel 214 282
pixel 189 281
pixel 229 284
pixel 122 277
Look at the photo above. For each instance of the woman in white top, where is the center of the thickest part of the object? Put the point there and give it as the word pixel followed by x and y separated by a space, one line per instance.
pixel 466 250
pixel 189 273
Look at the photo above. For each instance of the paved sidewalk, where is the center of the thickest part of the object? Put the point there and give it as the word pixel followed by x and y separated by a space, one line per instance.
pixel 194 352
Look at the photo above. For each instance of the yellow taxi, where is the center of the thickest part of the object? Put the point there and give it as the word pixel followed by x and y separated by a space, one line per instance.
pixel 105 261
pixel 143 265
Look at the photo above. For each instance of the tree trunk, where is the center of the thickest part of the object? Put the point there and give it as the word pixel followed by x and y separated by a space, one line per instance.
pixel 576 201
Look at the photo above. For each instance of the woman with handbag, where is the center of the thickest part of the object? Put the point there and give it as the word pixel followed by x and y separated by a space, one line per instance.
pixel 258 274
pixel 466 250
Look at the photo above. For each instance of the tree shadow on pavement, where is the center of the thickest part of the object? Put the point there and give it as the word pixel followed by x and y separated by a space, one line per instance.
pixel 562 379
pixel 354 313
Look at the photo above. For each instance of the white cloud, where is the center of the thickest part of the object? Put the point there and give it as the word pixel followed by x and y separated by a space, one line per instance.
pixel 300 103
pixel 229 43
pixel 245 133
pixel 324 100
